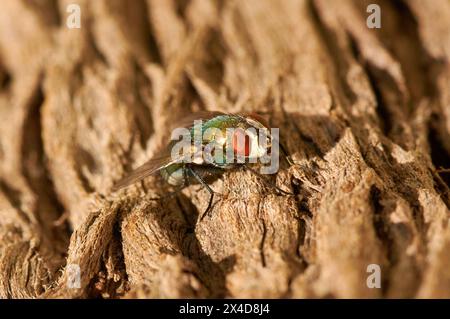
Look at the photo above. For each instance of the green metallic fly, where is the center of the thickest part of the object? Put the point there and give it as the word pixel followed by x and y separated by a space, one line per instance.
pixel 242 143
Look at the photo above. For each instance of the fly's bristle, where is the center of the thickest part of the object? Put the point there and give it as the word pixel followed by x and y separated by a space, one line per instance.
pixel 258 118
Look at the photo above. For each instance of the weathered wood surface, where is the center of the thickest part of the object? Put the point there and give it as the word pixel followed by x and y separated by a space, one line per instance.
pixel 365 114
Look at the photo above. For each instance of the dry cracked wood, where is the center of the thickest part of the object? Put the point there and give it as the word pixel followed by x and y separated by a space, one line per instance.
pixel 365 114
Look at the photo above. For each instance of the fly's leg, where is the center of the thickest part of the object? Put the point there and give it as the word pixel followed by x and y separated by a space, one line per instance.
pixel 283 150
pixel 268 183
pixel 206 186
pixel 286 156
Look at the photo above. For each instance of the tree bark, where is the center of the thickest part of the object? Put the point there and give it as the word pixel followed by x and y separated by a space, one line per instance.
pixel 364 113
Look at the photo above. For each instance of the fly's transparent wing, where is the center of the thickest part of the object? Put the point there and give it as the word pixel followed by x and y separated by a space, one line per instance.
pixel 154 165
pixel 150 167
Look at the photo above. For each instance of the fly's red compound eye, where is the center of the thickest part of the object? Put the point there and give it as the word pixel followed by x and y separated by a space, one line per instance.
pixel 241 143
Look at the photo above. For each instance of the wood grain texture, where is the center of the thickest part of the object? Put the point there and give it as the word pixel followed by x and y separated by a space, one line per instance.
pixel 365 114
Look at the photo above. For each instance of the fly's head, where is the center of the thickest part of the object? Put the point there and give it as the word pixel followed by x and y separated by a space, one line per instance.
pixel 252 138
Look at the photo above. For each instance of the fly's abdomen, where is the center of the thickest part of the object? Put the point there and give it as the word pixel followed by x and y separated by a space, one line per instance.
pixel 173 174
